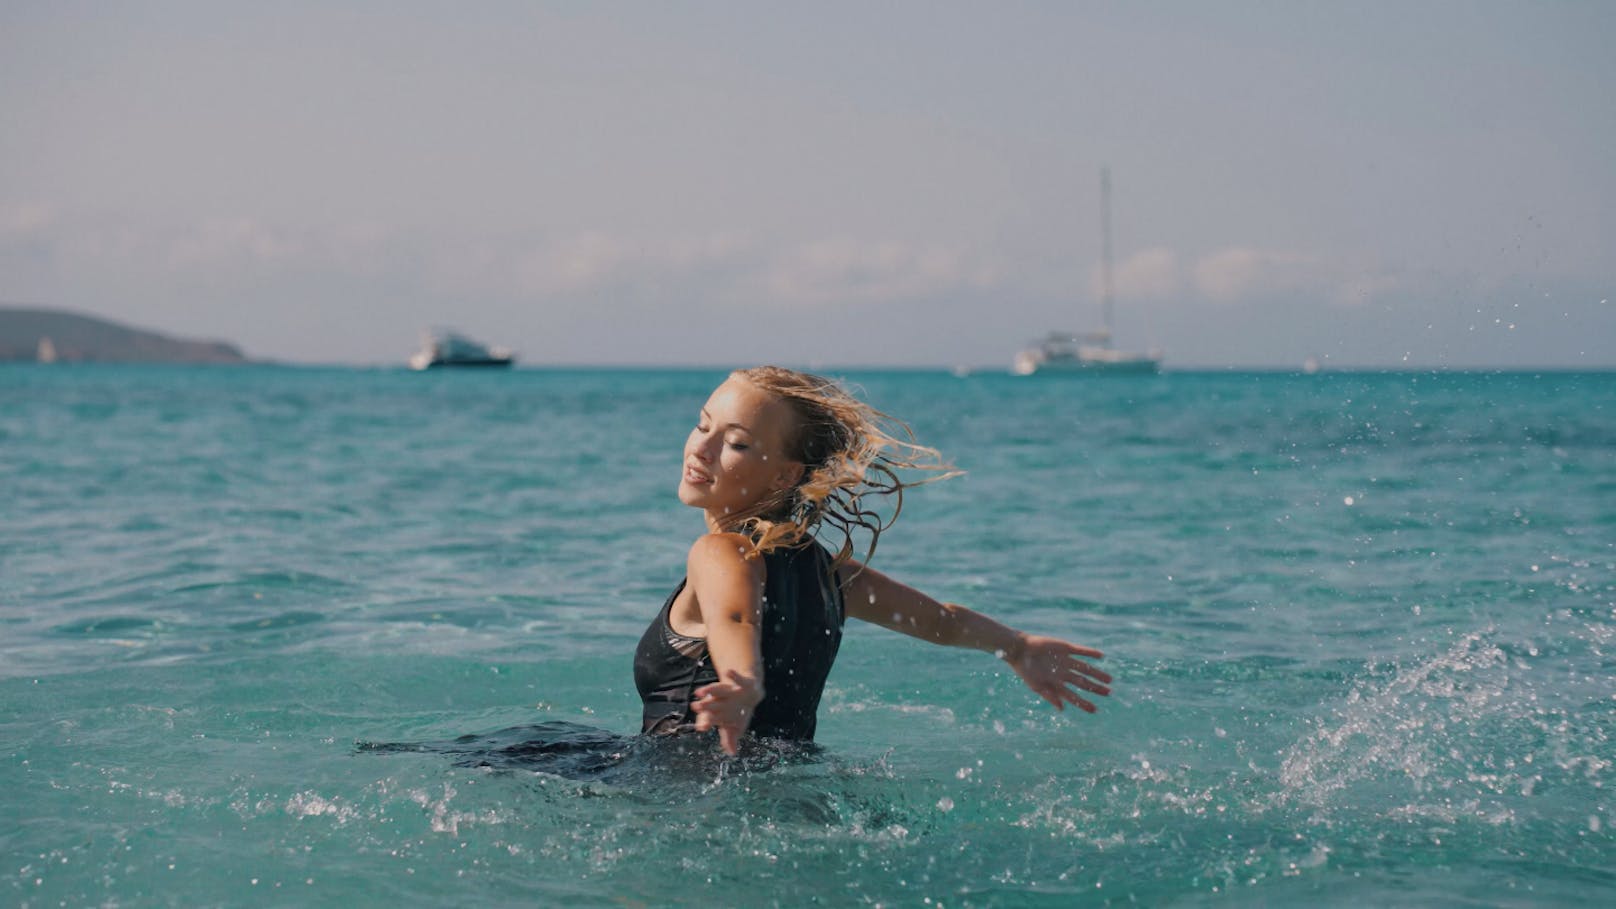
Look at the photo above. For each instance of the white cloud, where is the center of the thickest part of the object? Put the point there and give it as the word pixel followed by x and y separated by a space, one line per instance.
pixel 1241 273
pixel 24 221
pixel 234 241
pixel 594 261
pixel 571 264
pixel 361 249
pixel 1244 273
pixel 1364 286
pixel 27 252
pixel 1150 274
pixel 844 270
pixel 720 267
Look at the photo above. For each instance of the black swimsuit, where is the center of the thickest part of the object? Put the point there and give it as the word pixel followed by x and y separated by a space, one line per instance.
pixel 801 630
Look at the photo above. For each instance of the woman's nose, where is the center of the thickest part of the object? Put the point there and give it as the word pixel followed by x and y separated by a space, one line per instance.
pixel 702 448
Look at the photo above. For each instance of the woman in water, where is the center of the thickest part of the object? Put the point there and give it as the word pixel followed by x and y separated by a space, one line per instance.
pixel 777 459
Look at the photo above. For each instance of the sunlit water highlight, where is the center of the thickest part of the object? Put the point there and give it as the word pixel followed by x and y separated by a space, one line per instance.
pixel 1364 628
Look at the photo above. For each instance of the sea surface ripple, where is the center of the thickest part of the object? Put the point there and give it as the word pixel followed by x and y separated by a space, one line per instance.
pixel 1363 626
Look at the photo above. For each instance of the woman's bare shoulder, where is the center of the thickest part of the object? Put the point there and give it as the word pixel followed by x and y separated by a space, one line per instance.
pixel 720 551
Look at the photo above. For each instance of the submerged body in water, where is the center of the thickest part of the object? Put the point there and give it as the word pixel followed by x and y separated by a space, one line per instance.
pixel 589 754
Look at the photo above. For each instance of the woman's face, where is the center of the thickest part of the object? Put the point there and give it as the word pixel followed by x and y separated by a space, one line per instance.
pixel 735 456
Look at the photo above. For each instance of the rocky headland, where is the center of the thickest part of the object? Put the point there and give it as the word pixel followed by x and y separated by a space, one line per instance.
pixel 46 335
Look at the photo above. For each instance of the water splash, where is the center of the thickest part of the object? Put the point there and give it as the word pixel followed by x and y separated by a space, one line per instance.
pixel 1431 729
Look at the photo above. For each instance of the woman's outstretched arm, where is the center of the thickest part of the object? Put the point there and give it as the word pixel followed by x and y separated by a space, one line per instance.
pixel 729 592
pixel 1051 667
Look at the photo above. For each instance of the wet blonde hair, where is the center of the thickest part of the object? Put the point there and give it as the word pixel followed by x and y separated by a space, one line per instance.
pixel 850 453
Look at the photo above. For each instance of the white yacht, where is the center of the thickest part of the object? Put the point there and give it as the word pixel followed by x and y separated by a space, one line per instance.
pixel 446 348
pixel 1087 352
pixel 1090 351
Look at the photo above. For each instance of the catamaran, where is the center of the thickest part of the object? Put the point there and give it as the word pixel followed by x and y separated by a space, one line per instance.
pixel 1090 351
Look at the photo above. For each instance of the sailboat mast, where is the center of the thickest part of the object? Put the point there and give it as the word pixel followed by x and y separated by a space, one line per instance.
pixel 1107 289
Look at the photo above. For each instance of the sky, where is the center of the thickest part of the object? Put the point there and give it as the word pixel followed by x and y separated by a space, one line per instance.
pixel 1370 184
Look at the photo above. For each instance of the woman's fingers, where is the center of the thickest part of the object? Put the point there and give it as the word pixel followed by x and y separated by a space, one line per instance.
pixel 1093 672
pixel 1052 695
pixel 1077 678
pixel 725 705
pixel 1085 684
pixel 1082 704
pixel 1060 696
pixel 722 684
pixel 1078 668
pixel 715 693
pixel 716 689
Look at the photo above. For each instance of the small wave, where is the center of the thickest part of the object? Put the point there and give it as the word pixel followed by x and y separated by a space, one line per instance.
pixel 109 626
pixel 276 622
pixel 269 580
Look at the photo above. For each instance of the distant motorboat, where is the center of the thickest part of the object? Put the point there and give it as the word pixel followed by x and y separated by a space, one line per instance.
pixel 449 349
pixel 1089 352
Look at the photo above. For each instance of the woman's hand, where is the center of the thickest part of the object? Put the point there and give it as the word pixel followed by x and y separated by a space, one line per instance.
pixel 727 705
pixel 1051 668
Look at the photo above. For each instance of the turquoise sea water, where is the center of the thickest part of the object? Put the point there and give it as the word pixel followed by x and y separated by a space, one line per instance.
pixel 1363 628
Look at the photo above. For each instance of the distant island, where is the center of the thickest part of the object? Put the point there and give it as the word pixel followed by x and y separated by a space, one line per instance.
pixel 57 336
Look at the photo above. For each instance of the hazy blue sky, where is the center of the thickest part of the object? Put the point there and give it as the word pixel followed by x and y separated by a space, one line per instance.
pixel 1420 183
